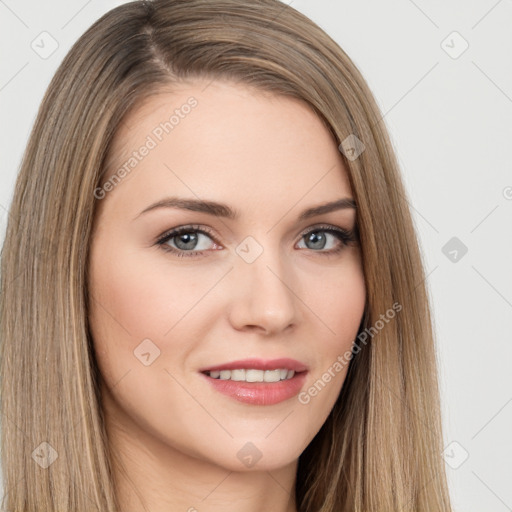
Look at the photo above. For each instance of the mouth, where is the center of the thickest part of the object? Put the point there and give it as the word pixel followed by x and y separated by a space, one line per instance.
pixel 252 375
pixel 257 387
pixel 281 364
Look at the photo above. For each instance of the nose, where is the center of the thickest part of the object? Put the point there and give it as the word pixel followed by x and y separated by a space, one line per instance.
pixel 263 297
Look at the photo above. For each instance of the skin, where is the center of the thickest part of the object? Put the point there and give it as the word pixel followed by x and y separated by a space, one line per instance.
pixel 268 157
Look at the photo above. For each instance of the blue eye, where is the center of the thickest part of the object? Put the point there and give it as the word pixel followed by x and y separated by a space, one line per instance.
pixel 186 239
pixel 318 238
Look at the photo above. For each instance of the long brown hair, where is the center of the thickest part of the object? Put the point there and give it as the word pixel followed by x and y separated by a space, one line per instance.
pixel 380 448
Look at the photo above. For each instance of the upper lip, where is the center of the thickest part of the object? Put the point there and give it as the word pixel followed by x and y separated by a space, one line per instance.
pixel 260 364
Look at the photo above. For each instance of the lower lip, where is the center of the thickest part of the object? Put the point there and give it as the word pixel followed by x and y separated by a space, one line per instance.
pixel 259 393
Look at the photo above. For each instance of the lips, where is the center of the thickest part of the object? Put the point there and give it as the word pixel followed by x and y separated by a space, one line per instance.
pixel 258 393
pixel 259 364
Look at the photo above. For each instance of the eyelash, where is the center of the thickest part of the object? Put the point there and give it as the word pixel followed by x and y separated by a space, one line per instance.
pixel 344 236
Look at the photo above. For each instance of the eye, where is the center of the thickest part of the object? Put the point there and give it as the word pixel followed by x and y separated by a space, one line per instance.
pixel 319 237
pixel 187 241
pixel 184 239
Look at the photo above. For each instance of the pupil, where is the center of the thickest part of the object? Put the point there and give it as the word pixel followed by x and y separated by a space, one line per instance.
pixel 318 241
pixel 189 243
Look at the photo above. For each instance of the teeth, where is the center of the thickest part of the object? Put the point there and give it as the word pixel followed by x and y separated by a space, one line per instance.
pixel 253 375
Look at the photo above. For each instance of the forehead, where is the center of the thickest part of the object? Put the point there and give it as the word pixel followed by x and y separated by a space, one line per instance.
pixel 228 142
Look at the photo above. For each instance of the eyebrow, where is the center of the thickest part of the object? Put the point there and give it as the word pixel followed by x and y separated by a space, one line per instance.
pixel 225 211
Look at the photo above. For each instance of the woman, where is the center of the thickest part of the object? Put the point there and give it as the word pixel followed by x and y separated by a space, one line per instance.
pixel 212 293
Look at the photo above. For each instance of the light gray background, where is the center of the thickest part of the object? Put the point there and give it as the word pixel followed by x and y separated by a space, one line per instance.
pixel 450 121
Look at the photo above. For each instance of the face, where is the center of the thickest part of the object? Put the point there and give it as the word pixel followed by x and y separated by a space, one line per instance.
pixel 272 280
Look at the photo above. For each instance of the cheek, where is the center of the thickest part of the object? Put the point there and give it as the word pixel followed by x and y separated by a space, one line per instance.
pixel 339 305
pixel 133 305
pixel 138 298
pixel 130 304
pixel 347 310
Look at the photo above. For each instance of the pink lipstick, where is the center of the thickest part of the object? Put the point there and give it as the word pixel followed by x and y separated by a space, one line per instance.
pixel 258 381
